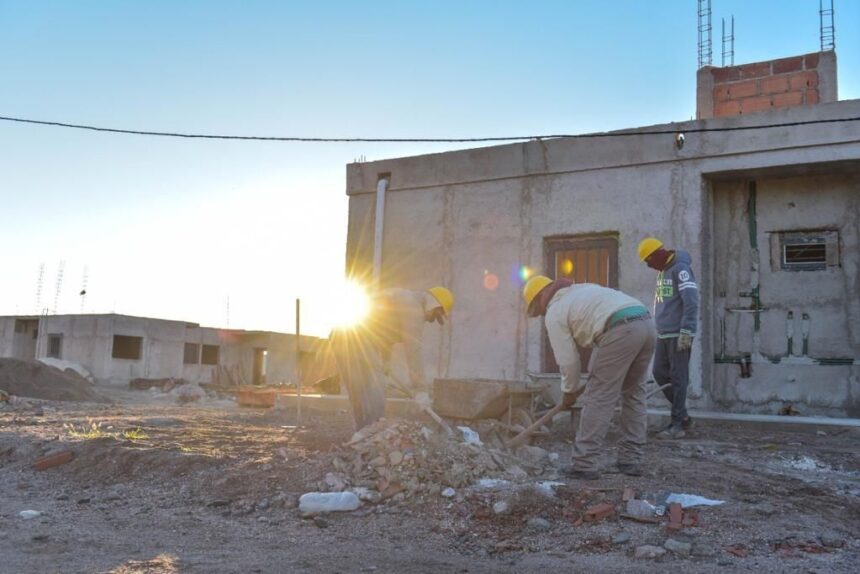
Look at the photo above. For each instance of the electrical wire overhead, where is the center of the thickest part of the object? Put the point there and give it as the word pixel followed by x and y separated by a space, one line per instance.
pixel 421 140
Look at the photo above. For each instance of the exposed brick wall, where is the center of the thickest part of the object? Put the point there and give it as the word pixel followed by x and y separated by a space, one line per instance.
pixel 762 86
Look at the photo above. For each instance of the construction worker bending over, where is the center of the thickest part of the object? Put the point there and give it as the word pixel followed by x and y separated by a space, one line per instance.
pixel 676 311
pixel 621 333
pixel 363 353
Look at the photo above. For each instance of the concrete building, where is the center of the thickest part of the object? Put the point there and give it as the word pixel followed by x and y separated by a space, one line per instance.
pixel 116 349
pixel 768 208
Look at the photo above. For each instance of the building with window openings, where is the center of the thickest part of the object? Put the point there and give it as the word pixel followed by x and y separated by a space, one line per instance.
pixel 117 349
pixel 766 200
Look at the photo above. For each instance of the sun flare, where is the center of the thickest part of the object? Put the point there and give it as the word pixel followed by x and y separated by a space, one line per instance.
pixel 351 305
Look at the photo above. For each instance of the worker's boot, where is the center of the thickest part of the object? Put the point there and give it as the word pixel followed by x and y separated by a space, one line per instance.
pixel 675 431
pixel 687 423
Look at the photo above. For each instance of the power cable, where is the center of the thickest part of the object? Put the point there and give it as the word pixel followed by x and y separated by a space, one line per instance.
pixel 426 140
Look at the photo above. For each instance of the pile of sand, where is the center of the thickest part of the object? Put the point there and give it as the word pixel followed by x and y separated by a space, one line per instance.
pixel 39 381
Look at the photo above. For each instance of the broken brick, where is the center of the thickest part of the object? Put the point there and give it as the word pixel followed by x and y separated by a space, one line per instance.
pixel 599 512
pixel 54 460
pixel 628 494
pixel 691 518
pixel 738 550
pixel 676 517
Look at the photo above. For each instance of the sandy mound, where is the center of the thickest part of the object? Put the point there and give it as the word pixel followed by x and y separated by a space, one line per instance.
pixel 39 381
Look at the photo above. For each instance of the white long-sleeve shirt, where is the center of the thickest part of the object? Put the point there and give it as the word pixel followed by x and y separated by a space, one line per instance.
pixel 578 315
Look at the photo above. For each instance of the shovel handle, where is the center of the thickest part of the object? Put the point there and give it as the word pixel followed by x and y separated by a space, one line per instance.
pixel 520 439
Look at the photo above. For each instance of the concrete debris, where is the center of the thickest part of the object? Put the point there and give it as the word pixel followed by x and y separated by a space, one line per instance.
pixel 29 514
pixel 189 393
pixel 628 495
pixel 648 551
pixel 501 507
pixel 832 541
pixel 688 500
pixel 678 547
pixel 621 538
pixel 449 492
pixel 470 436
pixel 538 523
pixel 335 482
pixel 640 508
pixel 403 457
pixel 319 502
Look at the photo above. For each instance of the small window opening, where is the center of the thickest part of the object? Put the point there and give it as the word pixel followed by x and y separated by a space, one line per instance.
pixel 209 356
pixel 55 346
pixel 192 354
pixel 126 347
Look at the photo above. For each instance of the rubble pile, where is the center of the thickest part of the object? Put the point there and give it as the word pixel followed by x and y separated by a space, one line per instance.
pixel 399 459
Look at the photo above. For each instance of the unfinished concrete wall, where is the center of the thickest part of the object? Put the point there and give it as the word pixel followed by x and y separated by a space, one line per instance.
pixel 18 337
pixel 819 303
pixel 456 218
pixel 761 86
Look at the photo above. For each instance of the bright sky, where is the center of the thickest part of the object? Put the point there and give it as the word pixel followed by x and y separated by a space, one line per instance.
pixel 176 228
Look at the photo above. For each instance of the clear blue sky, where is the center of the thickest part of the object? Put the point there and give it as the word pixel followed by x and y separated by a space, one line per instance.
pixel 173 228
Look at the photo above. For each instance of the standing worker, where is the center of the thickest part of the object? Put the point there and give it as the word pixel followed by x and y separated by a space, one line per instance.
pixel 676 311
pixel 363 353
pixel 622 334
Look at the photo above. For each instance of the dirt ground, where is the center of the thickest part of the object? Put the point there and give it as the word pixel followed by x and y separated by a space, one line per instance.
pixel 156 487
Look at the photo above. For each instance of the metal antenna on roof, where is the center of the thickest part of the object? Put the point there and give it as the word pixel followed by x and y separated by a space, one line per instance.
pixel 40 282
pixel 705 46
pixel 730 42
pixel 60 270
pixel 828 27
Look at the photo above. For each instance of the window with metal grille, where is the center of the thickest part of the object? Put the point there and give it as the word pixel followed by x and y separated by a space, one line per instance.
pixel 209 355
pixel 55 346
pixel 805 250
pixel 127 347
pixel 192 354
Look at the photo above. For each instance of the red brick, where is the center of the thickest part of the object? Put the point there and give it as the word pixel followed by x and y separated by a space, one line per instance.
pixel 774 85
pixel 54 460
pixel 721 93
pixel 676 516
pixel 599 512
pixel 811 61
pixel 784 65
pixel 743 89
pixel 812 96
pixel 803 80
pixel 756 104
pixel 756 70
pixel 788 99
pixel 726 74
pixel 731 108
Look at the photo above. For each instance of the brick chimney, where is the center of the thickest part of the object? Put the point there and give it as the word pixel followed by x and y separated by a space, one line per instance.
pixel 760 86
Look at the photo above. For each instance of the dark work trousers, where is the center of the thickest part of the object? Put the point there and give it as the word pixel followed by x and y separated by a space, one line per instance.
pixel 360 370
pixel 673 366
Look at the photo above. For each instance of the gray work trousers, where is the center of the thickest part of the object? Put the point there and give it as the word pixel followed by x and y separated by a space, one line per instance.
pixel 673 367
pixel 360 369
pixel 619 367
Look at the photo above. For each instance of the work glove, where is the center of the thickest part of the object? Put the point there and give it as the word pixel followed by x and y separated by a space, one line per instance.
pixel 685 341
pixel 568 399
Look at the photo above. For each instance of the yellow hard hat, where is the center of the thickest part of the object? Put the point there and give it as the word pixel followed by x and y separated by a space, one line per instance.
pixel 534 286
pixel 648 246
pixel 444 297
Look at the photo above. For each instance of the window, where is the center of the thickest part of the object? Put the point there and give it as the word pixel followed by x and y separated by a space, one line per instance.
pixel 192 354
pixel 804 250
pixel 126 347
pixel 582 259
pixel 55 346
pixel 209 355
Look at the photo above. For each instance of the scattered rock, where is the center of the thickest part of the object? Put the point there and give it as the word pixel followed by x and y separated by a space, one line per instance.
pixel 704 549
pixel 335 481
pixel 63 497
pixel 832 541
pixel 449 492
pixel 678 547
pixel 29 514
pixel 39 537
pixel 648 551
pixel 84 500
pixel 501 507
pixel 538 523
pixel 621 538
pixel 599 512
pixel 218 503
pixel 320 522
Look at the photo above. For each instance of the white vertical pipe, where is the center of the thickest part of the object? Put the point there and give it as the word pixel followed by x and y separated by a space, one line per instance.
pixel 381 188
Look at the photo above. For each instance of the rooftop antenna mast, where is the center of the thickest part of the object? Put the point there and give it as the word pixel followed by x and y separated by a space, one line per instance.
pixel 40 282
pixel 60 270
pixel 705 45
pixel 729 41
pixel 828 28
